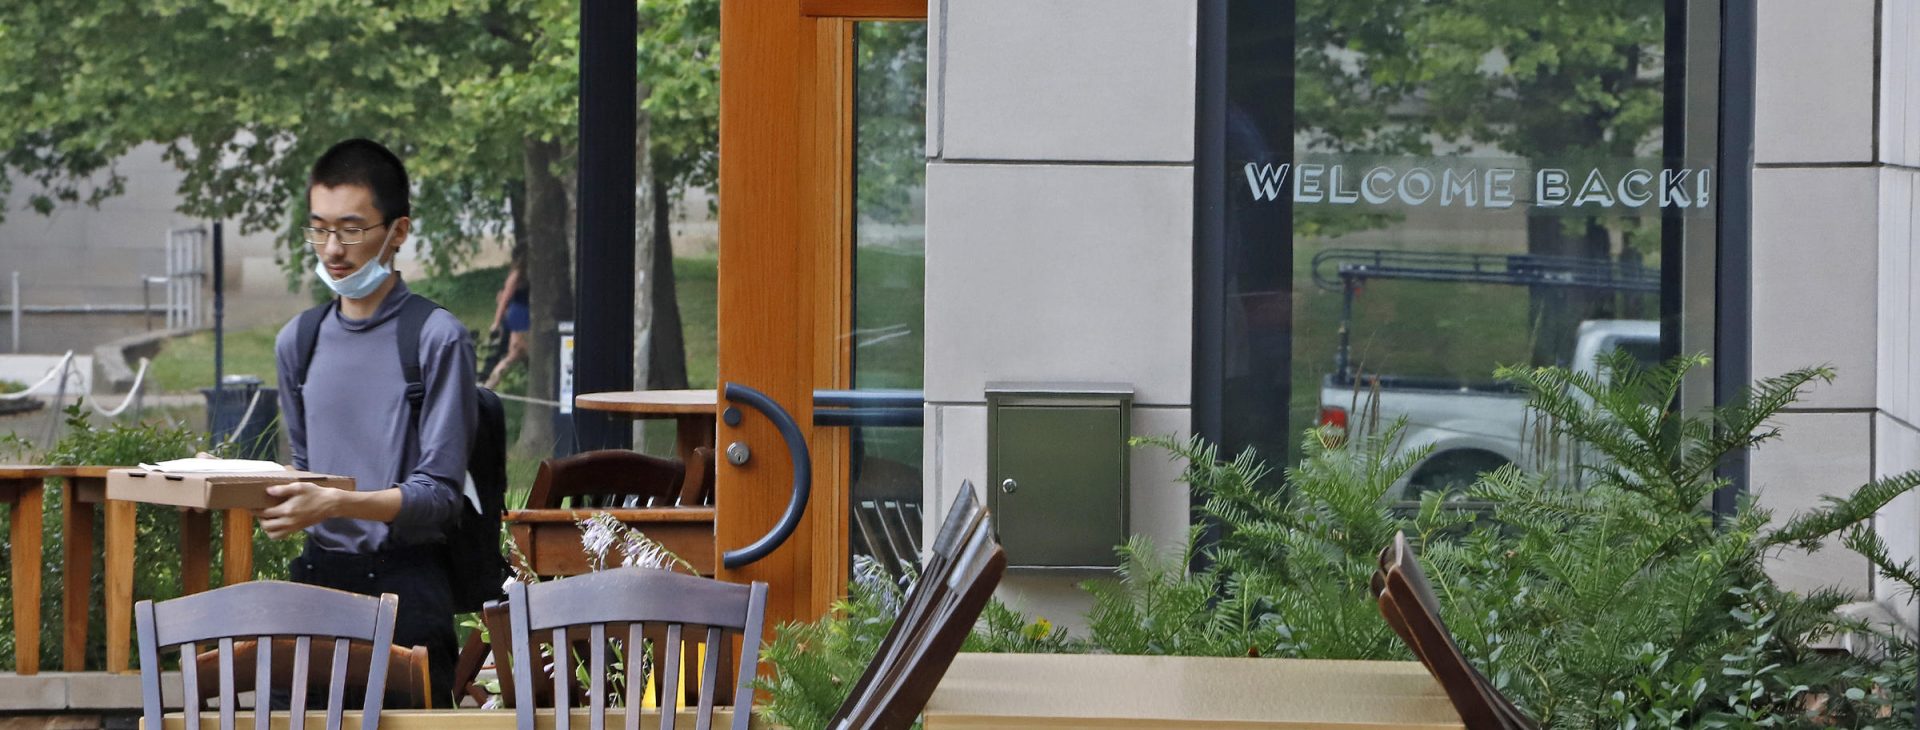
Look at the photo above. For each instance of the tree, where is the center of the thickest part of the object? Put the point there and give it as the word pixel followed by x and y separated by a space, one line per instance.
pixel 479 97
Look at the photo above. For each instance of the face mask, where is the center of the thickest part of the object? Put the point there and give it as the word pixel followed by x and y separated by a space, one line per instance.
pixel 358 284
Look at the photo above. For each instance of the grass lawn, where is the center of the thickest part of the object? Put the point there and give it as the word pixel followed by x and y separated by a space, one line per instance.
pixel 185 364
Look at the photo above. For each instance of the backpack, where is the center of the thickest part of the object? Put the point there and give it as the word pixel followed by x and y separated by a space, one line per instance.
pixel 476 569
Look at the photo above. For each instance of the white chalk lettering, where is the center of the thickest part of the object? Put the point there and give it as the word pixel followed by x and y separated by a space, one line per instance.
pixel 1499 188
pixel 1408 192
pixel 1307 186
pixel 1267 181
pixel 1550 187
pixel 1455 182
pixel 1459 186
pixel 1628 196
pixel 1594 190
pixel 1673 189
pixel 1336 194
pixel 1380 195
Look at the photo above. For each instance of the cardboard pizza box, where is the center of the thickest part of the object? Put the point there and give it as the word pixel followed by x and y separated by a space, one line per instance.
pixel 209 490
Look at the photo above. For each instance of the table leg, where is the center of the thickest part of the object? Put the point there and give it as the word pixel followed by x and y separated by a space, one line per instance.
pixel 24 535
pixel 690 433
pixel 196 551
pixel 121 524
pixel 76 569
pixel 238 547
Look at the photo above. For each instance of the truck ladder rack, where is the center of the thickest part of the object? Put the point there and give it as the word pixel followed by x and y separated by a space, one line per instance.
pixel 1339 268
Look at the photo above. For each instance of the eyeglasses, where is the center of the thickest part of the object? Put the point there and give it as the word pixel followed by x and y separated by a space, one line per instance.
pixel 348 236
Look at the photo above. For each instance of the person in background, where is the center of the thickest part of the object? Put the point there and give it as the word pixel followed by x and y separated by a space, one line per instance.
pixel 511 310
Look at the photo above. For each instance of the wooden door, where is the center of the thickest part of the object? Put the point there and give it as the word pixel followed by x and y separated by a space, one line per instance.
pixel 785 280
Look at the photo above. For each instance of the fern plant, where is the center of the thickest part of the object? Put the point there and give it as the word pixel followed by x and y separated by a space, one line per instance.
pixel 1603 595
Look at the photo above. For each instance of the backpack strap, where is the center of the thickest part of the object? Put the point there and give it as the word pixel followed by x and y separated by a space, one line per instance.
pixel 306 337
pixel 413 318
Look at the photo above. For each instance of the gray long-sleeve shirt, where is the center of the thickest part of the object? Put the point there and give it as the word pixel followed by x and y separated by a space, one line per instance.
pixel 356 420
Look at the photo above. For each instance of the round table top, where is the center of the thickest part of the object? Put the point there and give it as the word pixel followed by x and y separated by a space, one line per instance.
pixel 651 402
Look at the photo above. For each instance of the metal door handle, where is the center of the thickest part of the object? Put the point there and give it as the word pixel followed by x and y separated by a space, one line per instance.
pixel 802 475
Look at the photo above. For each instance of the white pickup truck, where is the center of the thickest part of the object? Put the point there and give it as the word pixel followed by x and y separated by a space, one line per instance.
pixel 1473 428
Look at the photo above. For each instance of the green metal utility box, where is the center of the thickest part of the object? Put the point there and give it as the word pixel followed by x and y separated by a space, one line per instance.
pixel 1057 471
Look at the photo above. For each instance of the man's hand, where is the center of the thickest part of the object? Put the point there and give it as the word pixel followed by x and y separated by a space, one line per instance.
pixel 302 504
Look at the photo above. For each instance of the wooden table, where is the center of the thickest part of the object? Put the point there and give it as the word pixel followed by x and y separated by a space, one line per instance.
pixel 1053 691
pixel 457 720
pixel 692 410
pixel 22 487
pixel 550 538
pixel 86 486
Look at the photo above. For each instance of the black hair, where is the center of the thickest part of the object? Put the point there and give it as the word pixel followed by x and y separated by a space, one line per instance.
pixel 368 164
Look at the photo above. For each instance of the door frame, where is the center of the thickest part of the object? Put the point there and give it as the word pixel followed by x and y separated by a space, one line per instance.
pixel 785 283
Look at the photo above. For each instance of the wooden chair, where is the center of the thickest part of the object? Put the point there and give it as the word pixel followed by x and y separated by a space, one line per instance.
pixel 697 489
pixel 612 476
pixel 960 576
pixel 1410 608
pixel 264 611
pixel 655 607
pixel 609 477
pixel 405 666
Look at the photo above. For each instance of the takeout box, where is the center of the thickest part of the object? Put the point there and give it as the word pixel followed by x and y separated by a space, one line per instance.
pixel 210 490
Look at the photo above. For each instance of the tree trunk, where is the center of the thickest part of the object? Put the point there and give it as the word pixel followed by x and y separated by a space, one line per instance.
pixel 549 276
pixel 1554 313
pixel 668 367
pixel 643 261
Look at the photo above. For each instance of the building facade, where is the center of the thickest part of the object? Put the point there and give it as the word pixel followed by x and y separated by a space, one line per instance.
pixel 1105 201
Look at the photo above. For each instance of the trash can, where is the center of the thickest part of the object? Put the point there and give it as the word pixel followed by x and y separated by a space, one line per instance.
pixel 246 413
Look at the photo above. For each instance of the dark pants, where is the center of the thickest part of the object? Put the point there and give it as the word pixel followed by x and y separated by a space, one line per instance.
pixel 418 576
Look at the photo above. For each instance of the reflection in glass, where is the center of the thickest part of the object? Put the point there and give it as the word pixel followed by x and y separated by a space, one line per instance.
pixel 1462 184
pixel 889 275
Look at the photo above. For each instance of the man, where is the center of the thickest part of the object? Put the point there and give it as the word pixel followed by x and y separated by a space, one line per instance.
pixel 352 415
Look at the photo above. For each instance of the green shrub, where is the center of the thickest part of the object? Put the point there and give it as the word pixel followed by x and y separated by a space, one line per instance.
pixel 1623 601
pixel 1598 593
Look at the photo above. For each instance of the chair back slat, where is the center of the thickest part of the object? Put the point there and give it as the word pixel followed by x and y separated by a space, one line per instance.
pixel 562 669
pixel 670 678
pixel 242 623
pixel 522 659
pixel 262 677
pixel 657 608
pixel 636 688
pixel 749 656
pixel 189 681
pixel 709 680
pixel 377 670
pixel 597 688
pixel 337 699
pixel 297 704
pixel 149 657
pixel 227 692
